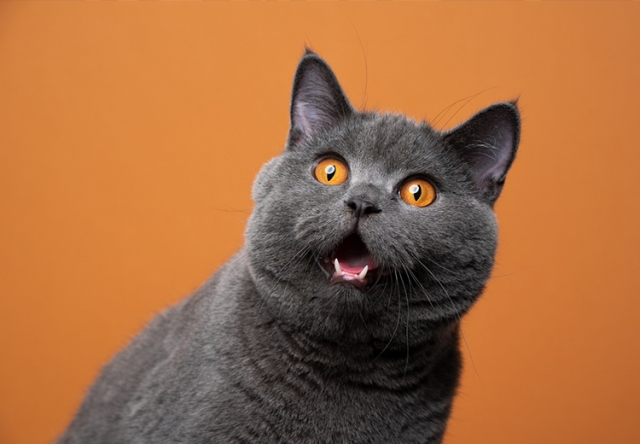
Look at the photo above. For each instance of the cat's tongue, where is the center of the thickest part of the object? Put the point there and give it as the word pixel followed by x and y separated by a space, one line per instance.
pixel 353 256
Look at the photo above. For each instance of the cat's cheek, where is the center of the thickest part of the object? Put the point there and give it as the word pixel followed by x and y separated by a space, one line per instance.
pixel 263 184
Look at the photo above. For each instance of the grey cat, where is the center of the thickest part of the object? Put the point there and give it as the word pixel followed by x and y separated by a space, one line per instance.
pixel 338 321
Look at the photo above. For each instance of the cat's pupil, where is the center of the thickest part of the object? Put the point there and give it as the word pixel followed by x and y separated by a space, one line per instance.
pixel 416 191
pixel 330 171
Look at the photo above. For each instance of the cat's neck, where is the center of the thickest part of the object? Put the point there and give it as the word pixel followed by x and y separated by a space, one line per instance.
pixel 394 366
pixel 357 352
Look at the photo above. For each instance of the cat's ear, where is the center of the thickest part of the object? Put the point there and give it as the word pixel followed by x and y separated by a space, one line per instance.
pixel 317 100
pixel 488 142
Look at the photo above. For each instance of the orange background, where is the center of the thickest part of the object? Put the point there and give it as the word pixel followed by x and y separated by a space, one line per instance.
pixel 130 134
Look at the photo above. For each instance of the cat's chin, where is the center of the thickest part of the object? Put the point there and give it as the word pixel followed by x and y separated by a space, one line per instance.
pixel 351 264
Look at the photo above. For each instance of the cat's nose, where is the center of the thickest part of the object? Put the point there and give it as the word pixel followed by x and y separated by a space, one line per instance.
pixel 361 207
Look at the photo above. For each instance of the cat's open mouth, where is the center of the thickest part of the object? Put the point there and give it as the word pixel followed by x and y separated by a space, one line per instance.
pixel 351 263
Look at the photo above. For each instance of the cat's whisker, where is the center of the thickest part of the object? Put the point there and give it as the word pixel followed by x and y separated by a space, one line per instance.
pixel 417 281
pixel 457 315
pixel 440 265
pixel 466 344
pixel 466 101
pixel 366 69
pixel 283 271
pixel 406 295
pixel 441 114
pixel 397 321
pixel 453 307
pixel 363 303
pixel 389 300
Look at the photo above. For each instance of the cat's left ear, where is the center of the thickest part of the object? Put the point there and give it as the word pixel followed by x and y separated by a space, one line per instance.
pixel 488 142
pixel 317 100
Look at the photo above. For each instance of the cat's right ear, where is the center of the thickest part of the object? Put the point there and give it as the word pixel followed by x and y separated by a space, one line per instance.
pixel 317 100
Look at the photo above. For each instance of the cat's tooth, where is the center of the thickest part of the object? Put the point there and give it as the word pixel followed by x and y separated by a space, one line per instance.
pixel 363 273
pixel 337 265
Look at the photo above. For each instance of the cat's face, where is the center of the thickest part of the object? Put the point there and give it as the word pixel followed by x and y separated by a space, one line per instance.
pixel 364 210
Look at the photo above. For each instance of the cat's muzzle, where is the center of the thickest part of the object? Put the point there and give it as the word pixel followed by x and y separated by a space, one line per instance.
pixel 351 263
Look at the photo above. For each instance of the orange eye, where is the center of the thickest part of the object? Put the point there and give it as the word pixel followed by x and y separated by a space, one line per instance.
pixel 418 192
pixel 331 172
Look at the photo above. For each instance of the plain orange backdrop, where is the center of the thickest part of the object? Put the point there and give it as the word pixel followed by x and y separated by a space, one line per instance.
pixel 130 134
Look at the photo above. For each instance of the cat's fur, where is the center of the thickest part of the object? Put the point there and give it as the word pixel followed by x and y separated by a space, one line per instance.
pixel 269 350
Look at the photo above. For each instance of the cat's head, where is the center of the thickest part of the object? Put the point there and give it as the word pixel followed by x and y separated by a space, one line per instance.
pixel 373 214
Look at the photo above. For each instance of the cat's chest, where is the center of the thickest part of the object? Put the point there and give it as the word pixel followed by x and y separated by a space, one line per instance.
pixel 213 403
pixel 295 402
pixel 298 412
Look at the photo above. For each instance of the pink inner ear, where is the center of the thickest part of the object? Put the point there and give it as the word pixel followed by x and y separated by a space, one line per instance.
pixel 304 115
pixel 492 160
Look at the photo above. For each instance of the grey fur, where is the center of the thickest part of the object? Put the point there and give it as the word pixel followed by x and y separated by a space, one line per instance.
pixel 268 350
